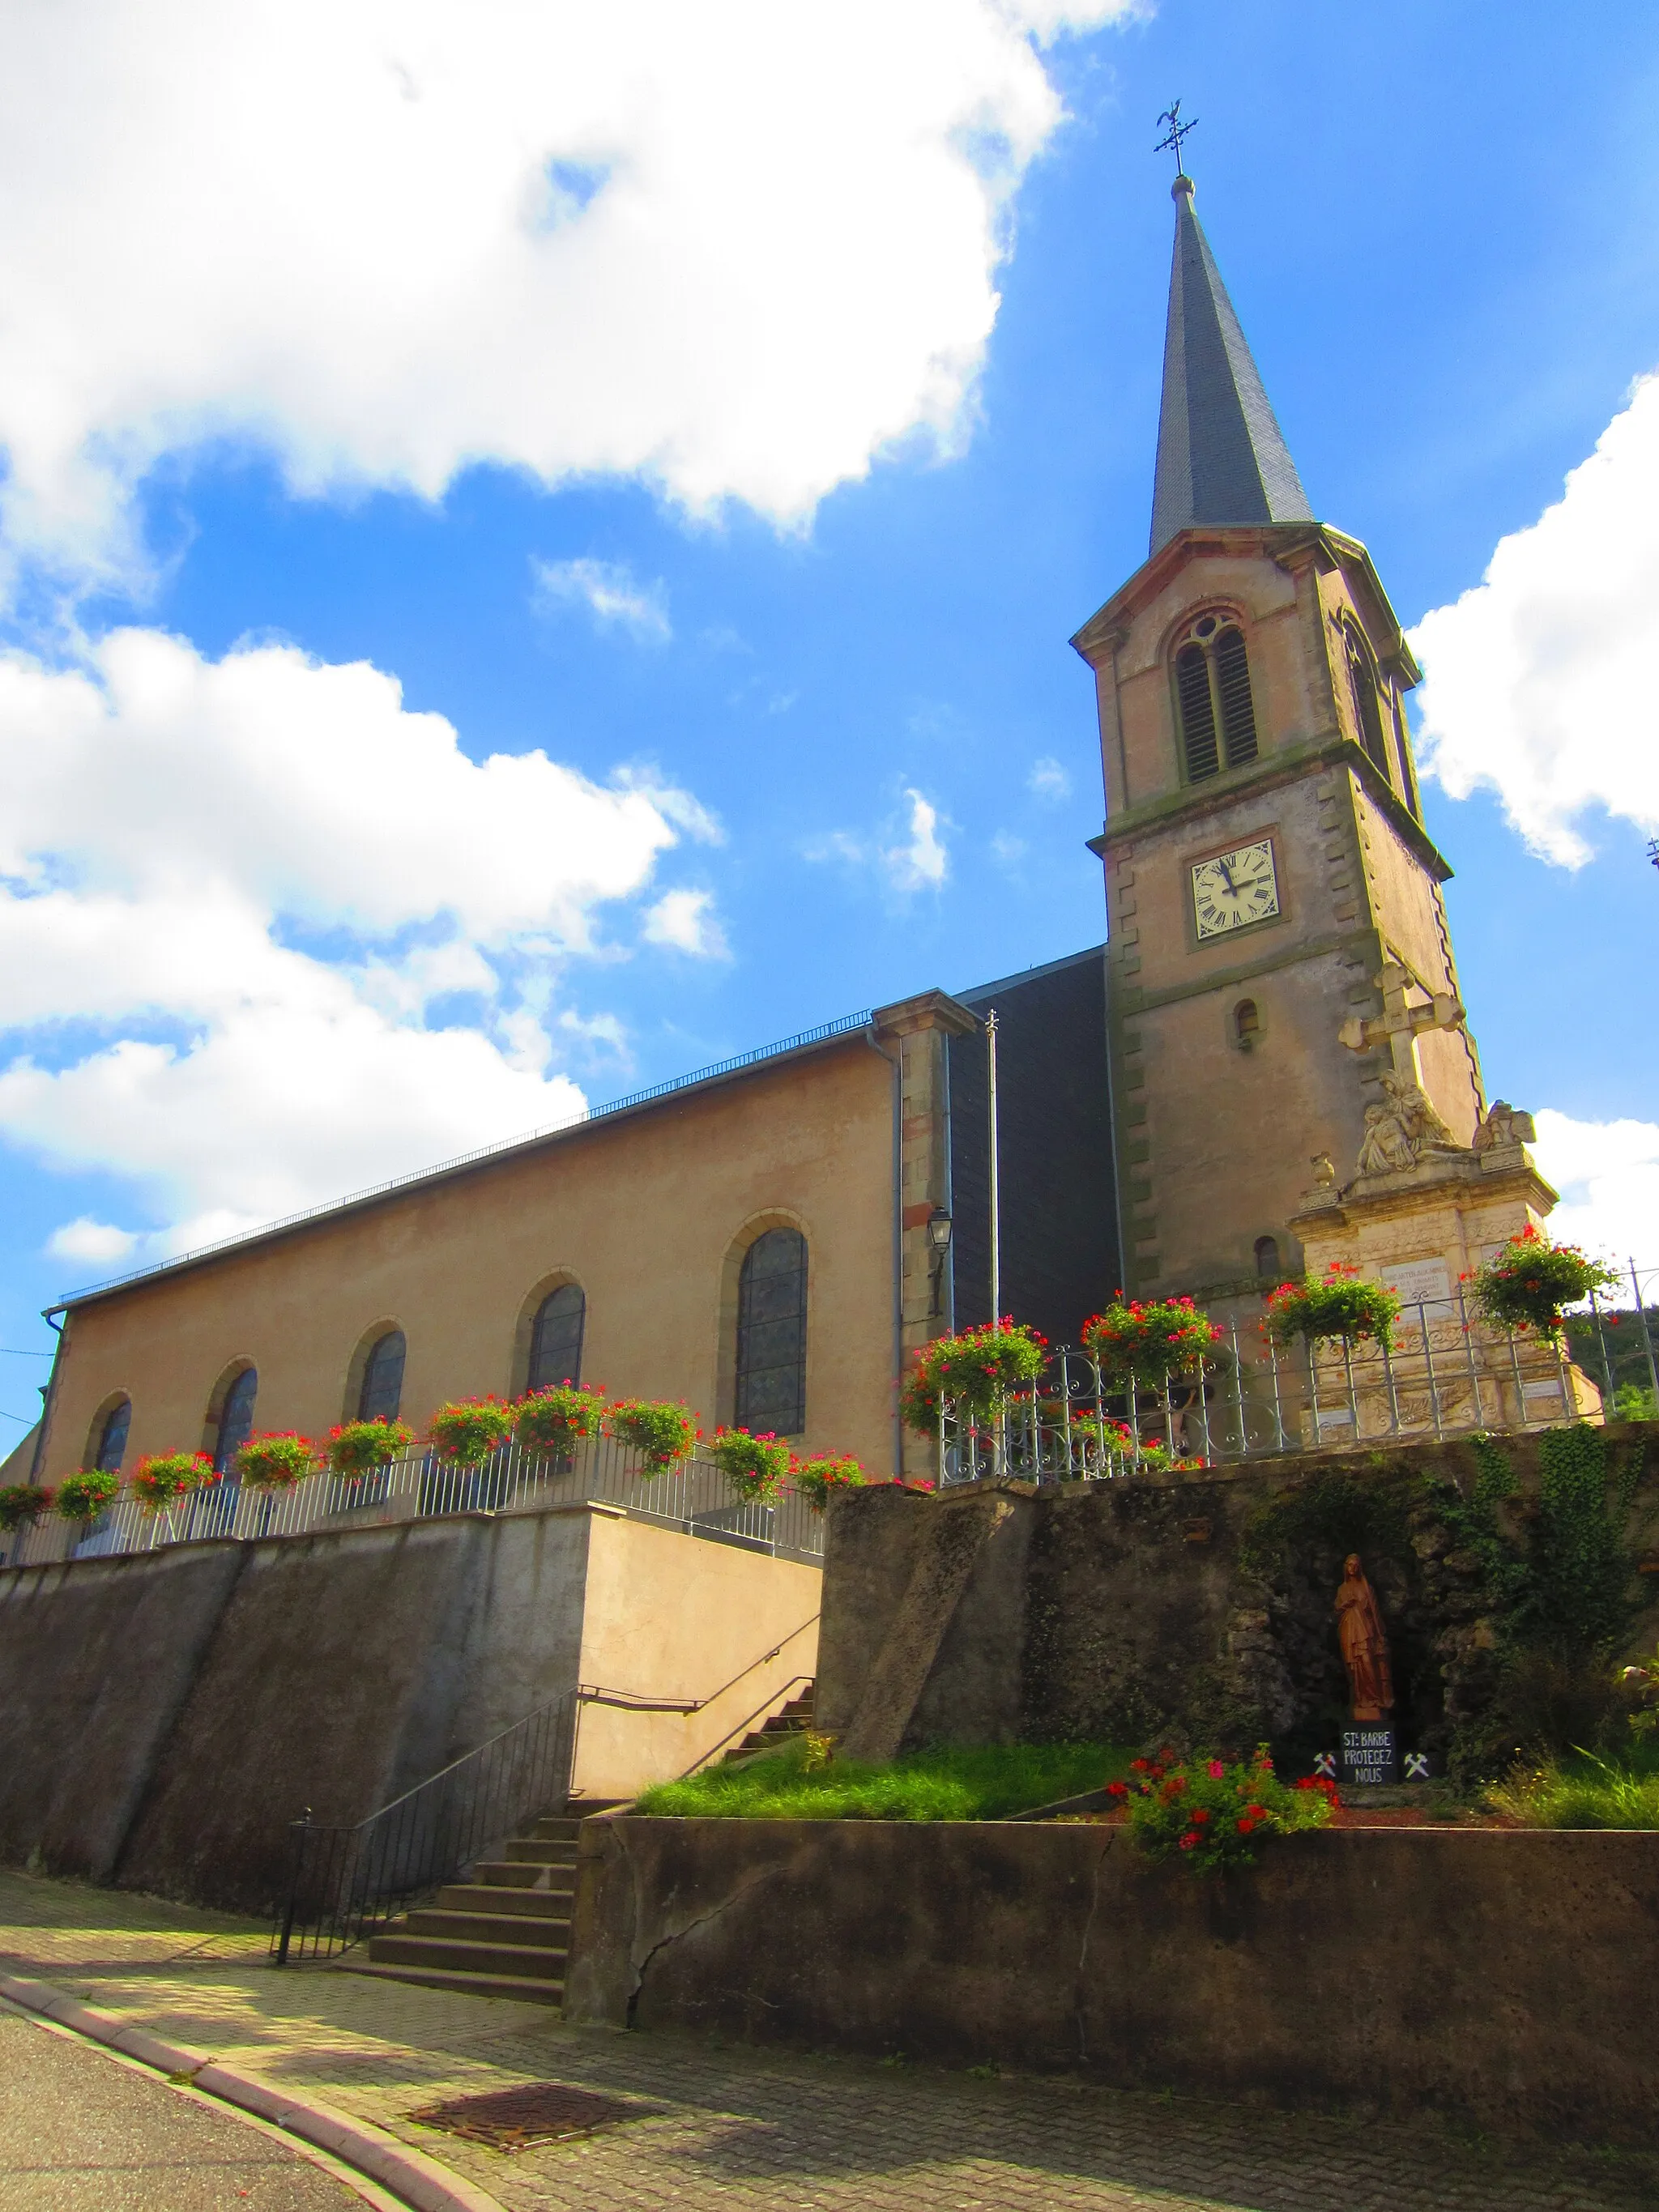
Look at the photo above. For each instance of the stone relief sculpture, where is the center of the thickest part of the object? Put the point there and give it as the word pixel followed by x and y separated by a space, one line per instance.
pixel 1401 1128
pixel 1365 1644
pixel 1504 1125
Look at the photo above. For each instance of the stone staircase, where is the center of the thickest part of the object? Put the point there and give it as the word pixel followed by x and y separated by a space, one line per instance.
pixel 506 1932
pixel 792 1719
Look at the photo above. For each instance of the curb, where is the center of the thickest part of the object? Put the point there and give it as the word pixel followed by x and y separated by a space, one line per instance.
pixel 419 2180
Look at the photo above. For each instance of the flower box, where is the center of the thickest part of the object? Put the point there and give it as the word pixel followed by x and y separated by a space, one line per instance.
pixel 276 1461
pixel 1527 1284
pixel 357 1447
pixel 162 1478
pixel 1148 1341
pixel 554 1420
pixel 818 1480
pixel 467 1429
pixel 81 1498
pixel 21 1504
pixel 754 1465
pixel 976 1371
pixel 1337 1306
pixel 659 1433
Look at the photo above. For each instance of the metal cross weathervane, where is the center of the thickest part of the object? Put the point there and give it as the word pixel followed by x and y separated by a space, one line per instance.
pixel 1178 131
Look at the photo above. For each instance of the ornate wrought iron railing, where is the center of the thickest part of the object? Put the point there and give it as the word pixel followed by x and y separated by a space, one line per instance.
pixel 693 1496
pixel 1446 1373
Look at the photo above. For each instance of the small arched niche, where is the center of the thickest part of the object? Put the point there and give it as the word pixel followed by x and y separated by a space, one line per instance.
pixel 1268 1266
pixel 1244 1024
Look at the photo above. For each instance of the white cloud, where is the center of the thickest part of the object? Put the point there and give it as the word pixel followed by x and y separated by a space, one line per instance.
pixel 1607 1174
pixel 735 249
pixel 1539 683
pixel 685 920
pixel 96 1242
pixel 921 863
pixel 1049 780
pixel 610 590
pixel 260 879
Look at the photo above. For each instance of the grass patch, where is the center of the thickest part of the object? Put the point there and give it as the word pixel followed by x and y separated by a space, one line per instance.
pixel 949 1783
pixel 1585 1792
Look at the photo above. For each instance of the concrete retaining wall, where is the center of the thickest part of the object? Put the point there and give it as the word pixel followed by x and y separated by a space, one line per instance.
pixel 1504 1976
pixel 165 1715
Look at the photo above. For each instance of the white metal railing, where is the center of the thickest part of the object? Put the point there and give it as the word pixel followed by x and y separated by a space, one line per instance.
pixel 1447 1373
pixel 693 1495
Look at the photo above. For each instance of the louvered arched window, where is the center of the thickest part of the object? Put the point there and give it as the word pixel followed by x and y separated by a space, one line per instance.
pixel 1212 692
pixel 1267 1258
pixel 1367 710
pixel 555 1343
pixel 771 1363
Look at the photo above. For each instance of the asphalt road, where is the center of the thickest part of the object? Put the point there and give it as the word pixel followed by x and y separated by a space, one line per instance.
pixel 80 2132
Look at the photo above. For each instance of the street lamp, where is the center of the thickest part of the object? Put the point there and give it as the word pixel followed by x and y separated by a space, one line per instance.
pixel 940 1225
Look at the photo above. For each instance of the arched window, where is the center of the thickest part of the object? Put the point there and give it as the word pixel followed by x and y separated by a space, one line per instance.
pixel 382 1390
pixel 1267 1258
pixel 556 1342
pixel 235 1419
pixel 1218 710
pixel 1361 689
pixel 1247 1023
pixel 113 1437
pixel 771 1370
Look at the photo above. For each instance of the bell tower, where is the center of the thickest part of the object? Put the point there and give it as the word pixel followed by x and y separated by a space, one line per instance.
pixel 1278 957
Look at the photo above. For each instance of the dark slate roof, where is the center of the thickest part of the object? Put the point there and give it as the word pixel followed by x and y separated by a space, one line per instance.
pixel 1221 455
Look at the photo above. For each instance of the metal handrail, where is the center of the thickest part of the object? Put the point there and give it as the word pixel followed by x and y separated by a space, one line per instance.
pixel 347 1879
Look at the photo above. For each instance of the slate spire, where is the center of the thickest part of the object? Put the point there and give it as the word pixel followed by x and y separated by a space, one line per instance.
pixel 1221 455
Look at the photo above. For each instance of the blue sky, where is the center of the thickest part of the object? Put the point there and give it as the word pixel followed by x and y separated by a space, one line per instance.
pixel 783 600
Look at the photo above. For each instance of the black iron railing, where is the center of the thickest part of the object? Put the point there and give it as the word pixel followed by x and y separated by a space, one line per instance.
pixel 346 1882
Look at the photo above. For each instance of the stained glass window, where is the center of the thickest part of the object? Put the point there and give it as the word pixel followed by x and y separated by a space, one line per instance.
pixel 556 1346
pixel 383 1379
pixel 771 1392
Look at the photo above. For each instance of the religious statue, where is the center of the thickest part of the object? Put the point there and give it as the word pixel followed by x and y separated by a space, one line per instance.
pixel 1401 1128
pixel 1504 1125
pixel 1364 1642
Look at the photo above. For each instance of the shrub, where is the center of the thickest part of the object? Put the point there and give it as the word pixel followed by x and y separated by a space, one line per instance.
pixel 1527 1284
pixel 754 1465
pixel 659 1433
pixel 1586 1793
pixel 162 1478
pixel 552 1421
pixel 1168 1336
pixel 84 1497
pixel 818 1479
pixel 945 1782
pixel 276 1461
pixel 467 1429
pixel 1337 1305
pixel 357 1447
pixel 976 1370
pixel 1212 1813
pixel 21 1504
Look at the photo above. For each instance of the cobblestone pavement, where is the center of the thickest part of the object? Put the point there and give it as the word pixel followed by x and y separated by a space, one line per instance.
pixel 750 2132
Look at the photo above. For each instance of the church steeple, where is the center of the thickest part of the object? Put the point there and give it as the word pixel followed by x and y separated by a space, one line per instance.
pixel 1221 455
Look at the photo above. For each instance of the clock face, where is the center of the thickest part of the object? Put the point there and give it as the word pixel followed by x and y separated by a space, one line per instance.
pixel 1235 889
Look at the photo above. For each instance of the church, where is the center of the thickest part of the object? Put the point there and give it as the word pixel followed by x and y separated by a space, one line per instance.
pixel 1265 1066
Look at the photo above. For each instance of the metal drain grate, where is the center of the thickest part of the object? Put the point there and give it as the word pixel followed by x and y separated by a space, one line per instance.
pixel 540 2111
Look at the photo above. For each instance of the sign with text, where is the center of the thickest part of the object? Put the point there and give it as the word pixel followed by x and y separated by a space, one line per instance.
pixel 1415 1279
pixel 1369 1755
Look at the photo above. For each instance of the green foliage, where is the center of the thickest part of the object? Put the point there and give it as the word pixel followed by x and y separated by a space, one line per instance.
pixel 552 1421
pixel 467 1429
pixel 818 1479
pixel 1634 1401
pixel 1212 1813
pixel 659 1433
pixel 1585 1792
pixel 1575 1594
pixel 160 1480
pixel 976 1371
pixel 21 1504
pixel 1528 1281
pixel 946 1782
pixel 1167 1336
pixel 357 1447
pixel 276 1461
pixel 1337 1306
pixel 754 1465
pixel 1334 1513
pixel 84 1497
